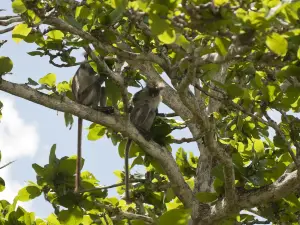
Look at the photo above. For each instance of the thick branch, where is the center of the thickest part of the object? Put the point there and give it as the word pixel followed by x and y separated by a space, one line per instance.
pixel 285 185
pixel 228 170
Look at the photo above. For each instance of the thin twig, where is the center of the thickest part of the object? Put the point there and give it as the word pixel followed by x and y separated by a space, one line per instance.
pixel 185 140
pixel 7 30
pixel 112 186
pixel 7 164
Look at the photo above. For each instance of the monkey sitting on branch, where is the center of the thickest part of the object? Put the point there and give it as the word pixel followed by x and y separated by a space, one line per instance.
pixel 145 107
pixel 87 90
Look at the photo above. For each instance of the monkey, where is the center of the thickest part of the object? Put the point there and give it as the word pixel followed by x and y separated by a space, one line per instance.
pixel 145 107
pixel 87 90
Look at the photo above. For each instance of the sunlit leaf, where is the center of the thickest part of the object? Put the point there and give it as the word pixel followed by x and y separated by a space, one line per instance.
pixel 96 131
pixel 29 192
pixel 175 217
pixel 20 32
pixel 168 36
pixel 49 80
pixel 6 65
pixel 55 34
pixel 277 43
pixel 18 6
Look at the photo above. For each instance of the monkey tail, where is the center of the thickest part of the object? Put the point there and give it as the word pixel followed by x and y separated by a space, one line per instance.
pixel 78 160
pixel 127 150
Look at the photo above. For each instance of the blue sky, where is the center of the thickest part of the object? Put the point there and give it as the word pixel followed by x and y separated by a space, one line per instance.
pixel 28 130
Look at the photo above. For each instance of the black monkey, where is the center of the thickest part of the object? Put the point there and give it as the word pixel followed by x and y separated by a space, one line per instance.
pixel 145 104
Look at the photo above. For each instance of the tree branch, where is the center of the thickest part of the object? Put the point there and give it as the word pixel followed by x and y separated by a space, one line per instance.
pixel 284 185
pixel 10 21
pixel 185 140
pixel 112 186
pixel 124 215
pixel 6 30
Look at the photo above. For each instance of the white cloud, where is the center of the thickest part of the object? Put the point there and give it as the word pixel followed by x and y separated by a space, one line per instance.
pixel 18 139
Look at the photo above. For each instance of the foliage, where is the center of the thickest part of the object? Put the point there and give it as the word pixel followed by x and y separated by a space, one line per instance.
pixel 230 63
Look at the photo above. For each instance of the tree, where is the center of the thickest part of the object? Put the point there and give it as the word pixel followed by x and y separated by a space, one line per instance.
pixel 226 66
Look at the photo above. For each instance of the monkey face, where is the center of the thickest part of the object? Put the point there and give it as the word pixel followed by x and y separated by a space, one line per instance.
pixel 155 89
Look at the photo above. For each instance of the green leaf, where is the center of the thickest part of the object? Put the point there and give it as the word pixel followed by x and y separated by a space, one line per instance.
pixel 272 92
pixel 49 80
pixel 72 216
pixel 182 41
pixel 2 184
pixel 67 165
pixel 29 192
pixel 68 119
pixel 35 53
pixel 298 53
pixel 117 13
pixel 259 146
pixel 56 34
pixel 33 17
pixel 168 36
pixel 285 158
pixel 87 220
pixel 113 91
pixel 18 6
pixel 96 131
pixel 137 161
pixel 38 169
pixel 6 65
pixel 63 87
pixel 221 47
pixel 121 148
pixel 220 2
pixel 82 12
pixel 32 82
pixel 52 219
pixel 20 32
pixel 206 197
pixel 137 222
pixel 157 25
pixel 175 217
pixel 52 157
pixel 277 44
pixel 235 90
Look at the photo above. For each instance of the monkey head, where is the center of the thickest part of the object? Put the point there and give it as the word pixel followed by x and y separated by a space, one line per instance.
pixel 154 88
